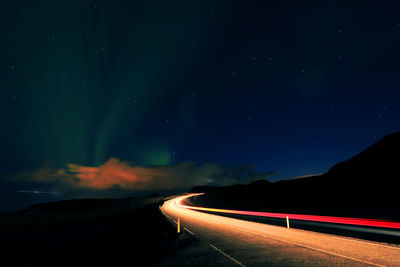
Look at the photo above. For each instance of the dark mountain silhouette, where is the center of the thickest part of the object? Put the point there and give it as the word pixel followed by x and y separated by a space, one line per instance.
pixel 363 186
pixel 203 188
pixel 374 169
pixel 369 180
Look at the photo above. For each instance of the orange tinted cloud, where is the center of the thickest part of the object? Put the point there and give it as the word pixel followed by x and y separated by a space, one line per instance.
pixel 112 173
pixel 124 175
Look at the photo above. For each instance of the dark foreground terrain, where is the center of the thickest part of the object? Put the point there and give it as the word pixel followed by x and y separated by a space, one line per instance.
pixel 363 186
pixel 89 232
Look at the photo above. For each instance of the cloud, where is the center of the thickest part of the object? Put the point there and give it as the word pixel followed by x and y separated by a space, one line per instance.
pixel 124 175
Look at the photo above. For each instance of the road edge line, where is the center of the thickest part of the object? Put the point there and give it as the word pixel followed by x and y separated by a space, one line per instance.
pixel 317 249
pixel 188 230
pixel 228 256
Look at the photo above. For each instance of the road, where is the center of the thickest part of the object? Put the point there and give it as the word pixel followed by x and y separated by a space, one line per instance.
pixel 224 241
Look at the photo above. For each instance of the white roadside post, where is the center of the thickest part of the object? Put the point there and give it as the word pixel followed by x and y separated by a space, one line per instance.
pixel 287 221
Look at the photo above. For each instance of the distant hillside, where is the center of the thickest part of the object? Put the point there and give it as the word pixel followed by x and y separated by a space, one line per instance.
pixel 364 186
pixel 378 164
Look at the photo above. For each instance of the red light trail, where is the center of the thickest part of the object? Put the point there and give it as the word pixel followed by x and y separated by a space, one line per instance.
pixel 314 218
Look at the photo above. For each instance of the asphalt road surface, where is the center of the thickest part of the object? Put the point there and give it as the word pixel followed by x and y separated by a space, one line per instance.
pixel 224 241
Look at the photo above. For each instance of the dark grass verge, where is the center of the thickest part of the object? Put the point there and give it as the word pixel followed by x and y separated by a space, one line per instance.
pixel 140 236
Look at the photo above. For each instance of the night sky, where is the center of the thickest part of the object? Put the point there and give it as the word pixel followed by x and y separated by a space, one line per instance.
pixel 289 87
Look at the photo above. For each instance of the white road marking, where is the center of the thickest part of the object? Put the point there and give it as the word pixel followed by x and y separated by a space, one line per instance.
pixel 226 255
pixel 316 249
pixel 188 230
pixel 365 242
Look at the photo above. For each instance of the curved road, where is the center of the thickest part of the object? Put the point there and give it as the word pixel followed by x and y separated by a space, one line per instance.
pixel 224 241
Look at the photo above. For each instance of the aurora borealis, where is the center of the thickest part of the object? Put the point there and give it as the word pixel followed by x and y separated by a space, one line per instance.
pixel 287 87
pixel 85 74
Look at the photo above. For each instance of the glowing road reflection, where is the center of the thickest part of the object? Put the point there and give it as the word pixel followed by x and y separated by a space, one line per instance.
pixel 313 218
pixel 249 242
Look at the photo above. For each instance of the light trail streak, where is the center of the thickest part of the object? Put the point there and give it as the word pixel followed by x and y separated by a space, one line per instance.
pixel 207 225
pixel 314 218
